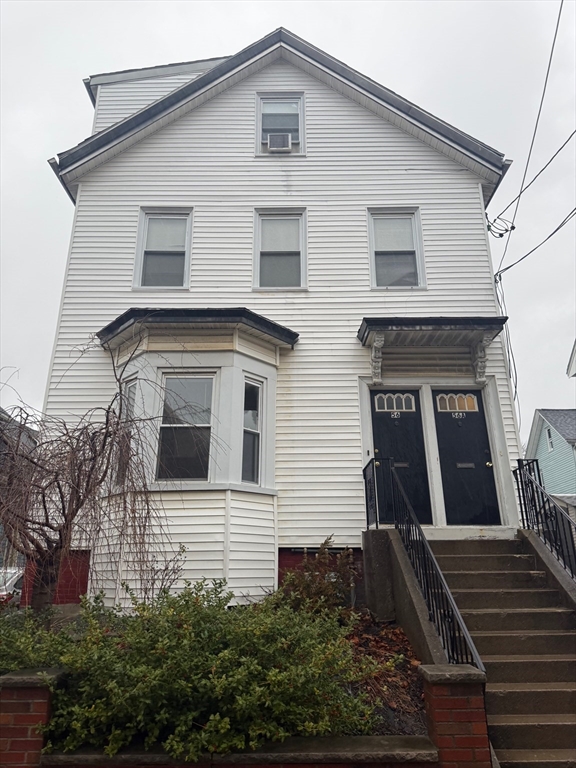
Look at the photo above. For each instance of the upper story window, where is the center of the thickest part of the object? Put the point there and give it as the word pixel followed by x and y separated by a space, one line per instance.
pixel 396 249
pixel 280 257
pixel 185 429
pixel 280 124
pixel 164 251
pixel 549 440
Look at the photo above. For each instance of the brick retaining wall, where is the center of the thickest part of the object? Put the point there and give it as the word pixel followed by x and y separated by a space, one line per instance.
pixel 455 712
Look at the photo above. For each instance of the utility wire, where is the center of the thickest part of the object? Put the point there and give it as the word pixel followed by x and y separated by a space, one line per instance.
pixel 534 179
pixel 569 217
pixel 534 132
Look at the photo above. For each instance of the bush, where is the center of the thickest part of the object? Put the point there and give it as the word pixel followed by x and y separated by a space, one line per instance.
pixel 190 672
pixel 322 581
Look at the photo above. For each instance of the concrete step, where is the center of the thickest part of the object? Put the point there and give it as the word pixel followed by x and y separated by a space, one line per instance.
pixel 530 698
pixel 486 563
pixel 536 758
pixel 485 619
pixel 477 547
pixel 505 598
pixel 530 669
pixel 524 642
pixel 495 579
pixel 532 731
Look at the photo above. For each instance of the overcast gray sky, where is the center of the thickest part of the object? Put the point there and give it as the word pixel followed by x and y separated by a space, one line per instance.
pixel 478 65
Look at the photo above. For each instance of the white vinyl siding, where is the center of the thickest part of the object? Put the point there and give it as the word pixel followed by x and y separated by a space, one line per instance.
pixel 116 101
pixel 355 162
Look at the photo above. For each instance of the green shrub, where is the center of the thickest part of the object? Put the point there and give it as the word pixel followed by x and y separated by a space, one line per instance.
pixel 195 675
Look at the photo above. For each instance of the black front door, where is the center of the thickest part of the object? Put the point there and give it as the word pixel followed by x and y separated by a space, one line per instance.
pixel 465 458
pixel 397 427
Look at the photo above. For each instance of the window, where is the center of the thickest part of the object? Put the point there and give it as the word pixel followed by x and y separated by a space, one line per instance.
pixel 549 440
pixel 396 250
pixel 185 428
pixel 457 402
pixel 280 117
pixel 252 430
pixel 164 259
pixel 397 402
pixel 280 250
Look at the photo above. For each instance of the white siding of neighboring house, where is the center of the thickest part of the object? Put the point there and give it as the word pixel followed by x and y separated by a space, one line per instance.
pixel 558 466
pixel 355 160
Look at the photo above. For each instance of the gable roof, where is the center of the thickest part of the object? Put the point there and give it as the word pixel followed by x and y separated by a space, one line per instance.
pixel 486 162
pixel 563 420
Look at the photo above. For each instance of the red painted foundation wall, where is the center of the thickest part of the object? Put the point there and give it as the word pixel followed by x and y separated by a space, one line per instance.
pixel 72 583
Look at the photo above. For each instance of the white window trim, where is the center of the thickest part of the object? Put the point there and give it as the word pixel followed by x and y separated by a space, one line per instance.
pixel 414 214
pixel 292 213
pixel 145 213
pixel 260 383
pixel 261 151
pixel 549 439
pixel 187 373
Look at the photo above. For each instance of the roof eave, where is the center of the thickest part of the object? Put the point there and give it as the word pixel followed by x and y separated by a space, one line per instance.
pixel 127 325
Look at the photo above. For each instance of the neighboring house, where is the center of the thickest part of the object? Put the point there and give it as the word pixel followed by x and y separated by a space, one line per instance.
pixel 295 262
pixel 552 441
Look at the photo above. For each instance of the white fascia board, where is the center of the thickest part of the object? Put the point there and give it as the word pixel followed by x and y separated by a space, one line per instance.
pixel 534 437
pixel 571 370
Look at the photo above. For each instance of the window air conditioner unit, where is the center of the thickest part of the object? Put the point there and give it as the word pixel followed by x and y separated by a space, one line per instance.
pixel 279 142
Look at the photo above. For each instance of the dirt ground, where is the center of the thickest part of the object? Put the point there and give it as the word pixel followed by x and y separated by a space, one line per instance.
pixel 398 684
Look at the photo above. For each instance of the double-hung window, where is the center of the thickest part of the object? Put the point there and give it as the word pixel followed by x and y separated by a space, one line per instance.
pixel 252 432
pixel 165 250
pixel 280 259
pixel 185 429
pixel 397 260
pixel 280 123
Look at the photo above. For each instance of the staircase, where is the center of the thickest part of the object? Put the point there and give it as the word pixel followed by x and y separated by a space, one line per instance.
pixel 527 641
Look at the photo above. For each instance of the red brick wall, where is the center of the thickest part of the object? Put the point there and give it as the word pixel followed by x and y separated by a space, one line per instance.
pixel 21 711
pixel 457 724
pixel 72 583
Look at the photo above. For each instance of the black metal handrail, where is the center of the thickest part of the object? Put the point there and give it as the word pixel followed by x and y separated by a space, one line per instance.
pixel 442 609
pixel 540 513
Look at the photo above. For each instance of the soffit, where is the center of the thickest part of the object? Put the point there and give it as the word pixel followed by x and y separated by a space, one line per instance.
pixel 429 332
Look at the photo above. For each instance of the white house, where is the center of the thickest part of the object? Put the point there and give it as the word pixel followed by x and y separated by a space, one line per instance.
pixel 302 257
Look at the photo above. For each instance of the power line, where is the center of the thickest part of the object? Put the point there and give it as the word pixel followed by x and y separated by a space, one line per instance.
pixel 533 180
pixel 569 217
pixel 534 132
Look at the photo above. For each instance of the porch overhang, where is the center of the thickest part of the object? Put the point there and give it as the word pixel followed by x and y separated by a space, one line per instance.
pixel 129 326
pixel 472 333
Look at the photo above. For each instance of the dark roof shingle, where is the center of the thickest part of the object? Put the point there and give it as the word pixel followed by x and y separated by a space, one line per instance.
pixel 563 420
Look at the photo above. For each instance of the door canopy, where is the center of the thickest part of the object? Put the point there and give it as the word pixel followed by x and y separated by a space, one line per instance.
pixel 438 343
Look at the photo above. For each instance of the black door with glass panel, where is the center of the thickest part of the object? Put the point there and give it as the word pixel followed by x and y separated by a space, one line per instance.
pixel 397 429
pixel 465 458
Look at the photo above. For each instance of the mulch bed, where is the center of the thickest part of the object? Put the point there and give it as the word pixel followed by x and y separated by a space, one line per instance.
pixel 397 685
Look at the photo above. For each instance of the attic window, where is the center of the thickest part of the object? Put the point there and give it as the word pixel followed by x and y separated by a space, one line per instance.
pixel 549 440
pixel 280 124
